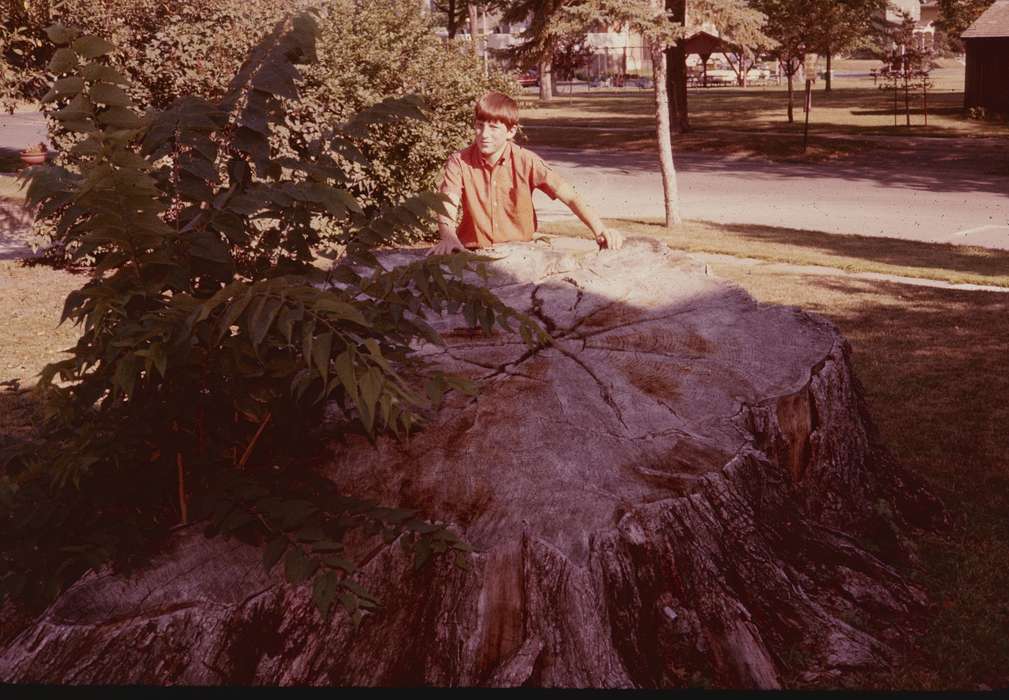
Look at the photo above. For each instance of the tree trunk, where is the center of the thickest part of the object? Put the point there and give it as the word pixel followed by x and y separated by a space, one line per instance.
pixel 546 79
pixel 682 489
pixel 676 72
pixel 791 97
pixel 676 88
pixel 451 19
pixel 826 80
pixel 669 191
pixel 474 28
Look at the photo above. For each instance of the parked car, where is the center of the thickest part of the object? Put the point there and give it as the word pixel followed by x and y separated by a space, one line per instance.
pixel 531 78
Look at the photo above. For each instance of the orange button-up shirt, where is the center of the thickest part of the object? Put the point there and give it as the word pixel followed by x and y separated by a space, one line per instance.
pixel 497 201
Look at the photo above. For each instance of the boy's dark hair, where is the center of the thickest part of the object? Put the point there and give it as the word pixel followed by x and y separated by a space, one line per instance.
pixel 497 107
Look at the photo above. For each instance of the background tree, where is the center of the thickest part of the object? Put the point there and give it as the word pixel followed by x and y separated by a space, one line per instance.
pixel 549 24
pixel 743 38
pixel 794 25
pixel 650 20
pixel 841 25
pixel 367 52
pixel 955 16
pixel 571 55
pixel 909 66
pixel 453 12
pixel 734 19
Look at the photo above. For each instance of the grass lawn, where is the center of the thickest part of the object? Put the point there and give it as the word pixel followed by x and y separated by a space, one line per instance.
pixel 754 119
pixel 944 262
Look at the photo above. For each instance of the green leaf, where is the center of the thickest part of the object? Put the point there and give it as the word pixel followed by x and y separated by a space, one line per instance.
pixel 125 375
pixel 332 306
pixel 233 311
pixel 119 117
pixel 288 317
pixel 236 519
pixel 277 79
pixel 209 246
pixel 321 351
pixel 371 386
pixel 358 590
pixel 63 61
pixel 435 388
pixel 293 514
pixel 113 96
pixel 344 366
pixel 297 566
pixel 88 147
pixel 106 74
pixel 217 299
pixel 91 46
pixel 263 318
pixel 59 35
pixel 324 591
pixel 273 551
pixel 336 562
pixel 68 86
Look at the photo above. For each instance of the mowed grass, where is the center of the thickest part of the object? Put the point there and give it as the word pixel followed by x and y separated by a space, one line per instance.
pixel 935 370
pixel 943 262
pixel 852 116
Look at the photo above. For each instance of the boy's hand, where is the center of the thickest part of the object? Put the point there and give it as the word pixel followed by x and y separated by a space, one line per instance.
pixel 609 238
pixel 448 244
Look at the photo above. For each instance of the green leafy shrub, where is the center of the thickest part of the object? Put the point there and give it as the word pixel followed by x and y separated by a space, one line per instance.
pixel 210 340
pixel 368 51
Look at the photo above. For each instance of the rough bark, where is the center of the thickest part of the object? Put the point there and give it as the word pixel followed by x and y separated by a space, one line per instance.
pixel 676 72
pixel 682 489
pixel 546 78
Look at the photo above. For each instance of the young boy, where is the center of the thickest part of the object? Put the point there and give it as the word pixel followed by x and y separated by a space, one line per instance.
pixel 493 180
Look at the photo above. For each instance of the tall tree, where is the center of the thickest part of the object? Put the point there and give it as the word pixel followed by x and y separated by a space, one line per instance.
pixel 839 25
pixel 652 22
pixel 793 24
pixel 734 19
pixel 549 22
pixel 456 12
pixel 955 16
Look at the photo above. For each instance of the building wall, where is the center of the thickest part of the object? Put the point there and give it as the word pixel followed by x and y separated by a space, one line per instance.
pixel 987 74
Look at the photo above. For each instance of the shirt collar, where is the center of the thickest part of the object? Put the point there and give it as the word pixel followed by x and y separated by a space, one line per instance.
pixel 477 156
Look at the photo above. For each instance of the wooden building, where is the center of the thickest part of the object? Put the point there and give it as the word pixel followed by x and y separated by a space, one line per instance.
pixel 987 45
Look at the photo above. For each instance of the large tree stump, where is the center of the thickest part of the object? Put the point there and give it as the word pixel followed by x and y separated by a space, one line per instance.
pixel 682 489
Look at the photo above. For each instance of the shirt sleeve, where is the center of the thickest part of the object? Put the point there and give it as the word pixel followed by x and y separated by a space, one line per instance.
pixel 543 178
pixel 451 183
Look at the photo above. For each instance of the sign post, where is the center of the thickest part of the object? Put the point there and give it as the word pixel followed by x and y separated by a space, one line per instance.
pixel 809 69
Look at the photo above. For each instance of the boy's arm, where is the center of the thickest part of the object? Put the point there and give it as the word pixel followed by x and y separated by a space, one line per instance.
pixel 605 237
pixel 449 242
pixel 451 187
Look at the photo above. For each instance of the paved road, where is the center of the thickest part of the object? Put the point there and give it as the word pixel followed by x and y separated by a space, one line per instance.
pixel 953 191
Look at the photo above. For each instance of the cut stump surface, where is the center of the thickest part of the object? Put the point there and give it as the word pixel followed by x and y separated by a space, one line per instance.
pixel 682 489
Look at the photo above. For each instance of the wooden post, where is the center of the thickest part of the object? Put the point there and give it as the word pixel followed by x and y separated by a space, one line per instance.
pixel 809 108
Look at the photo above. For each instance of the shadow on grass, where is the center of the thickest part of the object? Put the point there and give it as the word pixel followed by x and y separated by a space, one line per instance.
pixel 10 160
pixel 935 374
pixel 930 165
pixel 899 253
pixel 15 222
